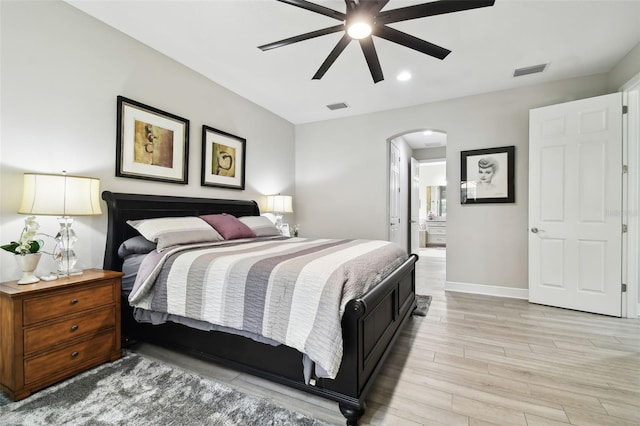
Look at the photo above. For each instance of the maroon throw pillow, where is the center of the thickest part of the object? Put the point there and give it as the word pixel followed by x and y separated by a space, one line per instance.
pixel 228 226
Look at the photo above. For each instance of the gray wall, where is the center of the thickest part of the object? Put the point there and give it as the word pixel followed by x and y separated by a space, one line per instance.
pixel 430 153
pixel 624 70
pixel 341 172
pixel 61 73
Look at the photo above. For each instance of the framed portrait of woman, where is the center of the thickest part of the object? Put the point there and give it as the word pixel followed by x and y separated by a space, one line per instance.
pixel 487 175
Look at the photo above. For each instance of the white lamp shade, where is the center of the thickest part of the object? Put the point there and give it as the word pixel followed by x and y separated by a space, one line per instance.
pixel 60 195
pixel 279 204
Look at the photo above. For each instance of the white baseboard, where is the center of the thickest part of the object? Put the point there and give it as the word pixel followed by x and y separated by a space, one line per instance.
pixel 488 290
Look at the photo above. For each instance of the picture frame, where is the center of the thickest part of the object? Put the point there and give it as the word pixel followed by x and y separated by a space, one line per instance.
pixel 151 144
pixel 487 175
pixel 223 159
pixel 285 230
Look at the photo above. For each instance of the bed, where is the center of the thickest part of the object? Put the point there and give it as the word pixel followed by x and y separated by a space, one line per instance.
pixel 368 325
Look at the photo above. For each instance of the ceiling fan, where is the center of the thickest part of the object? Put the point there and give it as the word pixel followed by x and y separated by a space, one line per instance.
pixel 364 19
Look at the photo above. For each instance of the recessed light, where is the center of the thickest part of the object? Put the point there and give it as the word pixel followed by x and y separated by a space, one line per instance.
pixel 404 76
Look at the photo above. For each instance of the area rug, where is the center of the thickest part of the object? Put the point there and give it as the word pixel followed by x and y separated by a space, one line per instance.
pixel 137 391
pixel 422 303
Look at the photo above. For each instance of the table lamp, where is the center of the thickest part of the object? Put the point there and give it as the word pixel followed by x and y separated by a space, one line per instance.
pixel 278 204
pixel 64 196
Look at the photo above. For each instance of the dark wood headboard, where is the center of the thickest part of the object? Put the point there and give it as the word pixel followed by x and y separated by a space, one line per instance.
pixel 124 207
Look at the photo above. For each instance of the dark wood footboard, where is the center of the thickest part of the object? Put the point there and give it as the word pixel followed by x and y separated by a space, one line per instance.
pixel 370 324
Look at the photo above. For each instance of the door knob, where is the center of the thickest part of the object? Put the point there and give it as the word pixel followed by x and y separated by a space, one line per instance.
pixel 535 230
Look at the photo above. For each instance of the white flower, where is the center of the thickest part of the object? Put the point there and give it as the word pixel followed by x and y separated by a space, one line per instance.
pixel 27 242
pixel 31 224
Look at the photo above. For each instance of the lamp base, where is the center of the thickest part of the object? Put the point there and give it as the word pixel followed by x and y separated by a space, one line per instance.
pixel 278 222
pixel 69 273
pixel 63 253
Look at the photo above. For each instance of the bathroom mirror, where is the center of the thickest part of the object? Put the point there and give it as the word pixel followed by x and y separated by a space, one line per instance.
pixel 436 201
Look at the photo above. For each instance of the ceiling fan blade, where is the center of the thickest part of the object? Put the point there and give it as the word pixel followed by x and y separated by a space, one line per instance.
pixel 371 56
pixel 350 5
pixel 375 6
pixel 430 9
pixel 342 44
pixel 411 42
pixel 302 37
pixel 317 9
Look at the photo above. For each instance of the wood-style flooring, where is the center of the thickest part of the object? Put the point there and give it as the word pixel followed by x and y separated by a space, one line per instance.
pixel 478 361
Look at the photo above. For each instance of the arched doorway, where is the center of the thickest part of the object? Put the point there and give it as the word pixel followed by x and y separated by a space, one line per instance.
pixel 406 151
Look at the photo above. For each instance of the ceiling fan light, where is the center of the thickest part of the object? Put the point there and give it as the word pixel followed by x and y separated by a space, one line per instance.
pixel 359 30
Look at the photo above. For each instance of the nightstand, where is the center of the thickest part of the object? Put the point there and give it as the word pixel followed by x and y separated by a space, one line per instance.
pixel 52 330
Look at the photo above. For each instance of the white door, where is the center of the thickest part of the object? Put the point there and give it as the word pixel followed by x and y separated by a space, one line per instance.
pixel 575 202
pixel 394 194
pixel 415 206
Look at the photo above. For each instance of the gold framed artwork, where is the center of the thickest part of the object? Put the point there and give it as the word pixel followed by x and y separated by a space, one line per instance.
pixel 223 159
pixel 151 144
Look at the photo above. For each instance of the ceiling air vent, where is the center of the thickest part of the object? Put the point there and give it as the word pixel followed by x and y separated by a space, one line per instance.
pixel 339 105
pixel 529 70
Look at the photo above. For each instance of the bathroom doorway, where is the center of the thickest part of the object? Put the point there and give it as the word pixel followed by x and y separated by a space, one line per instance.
pixel 409 152
pixel 433 208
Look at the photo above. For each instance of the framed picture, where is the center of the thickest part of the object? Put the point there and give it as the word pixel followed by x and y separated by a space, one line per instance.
pixel 487 175
pixel 223 159
pixel 285 230
pixel 151 144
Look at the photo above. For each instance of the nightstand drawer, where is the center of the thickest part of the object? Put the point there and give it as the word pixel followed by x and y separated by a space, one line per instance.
pixel 437 231
pixel 437 240
pixel 65 303
pixel 55 333
pixel 70 357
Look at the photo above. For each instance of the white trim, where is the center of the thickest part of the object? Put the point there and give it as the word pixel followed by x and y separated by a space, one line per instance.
pixel 433 160
pixel 631 140
pixel 487 290
pixel 631 84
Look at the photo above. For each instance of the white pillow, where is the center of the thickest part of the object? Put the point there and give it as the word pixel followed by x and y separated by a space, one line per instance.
pixel 172 231
pixel 260 225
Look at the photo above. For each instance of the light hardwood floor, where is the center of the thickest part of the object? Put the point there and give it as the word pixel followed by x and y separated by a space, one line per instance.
pixel 478 361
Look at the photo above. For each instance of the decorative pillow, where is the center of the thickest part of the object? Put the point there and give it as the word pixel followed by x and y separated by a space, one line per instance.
pixel 171 231
pixel 260 225
pixel 228 226
pixel 136 245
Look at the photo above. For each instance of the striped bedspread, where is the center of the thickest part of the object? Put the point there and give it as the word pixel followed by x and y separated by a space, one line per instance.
pixel 290 290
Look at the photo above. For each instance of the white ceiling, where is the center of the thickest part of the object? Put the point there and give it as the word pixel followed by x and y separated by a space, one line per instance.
pixel 219 39
pixel 426 139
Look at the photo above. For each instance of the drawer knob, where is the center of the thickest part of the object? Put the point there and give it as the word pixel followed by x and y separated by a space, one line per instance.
pixel 74 327
pixel 74 354
pixel 74 301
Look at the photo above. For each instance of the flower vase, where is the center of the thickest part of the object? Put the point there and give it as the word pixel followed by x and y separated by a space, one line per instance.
pixel 28 263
